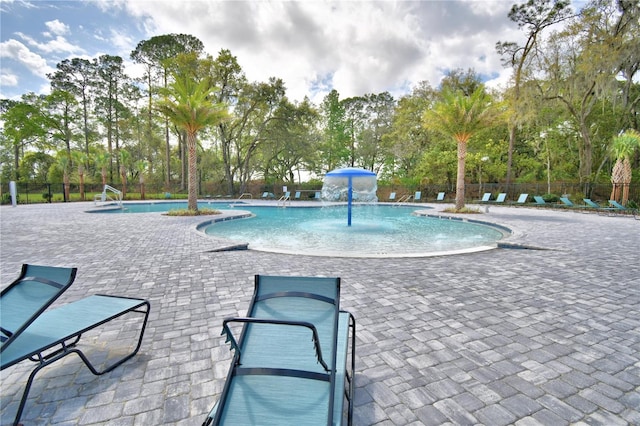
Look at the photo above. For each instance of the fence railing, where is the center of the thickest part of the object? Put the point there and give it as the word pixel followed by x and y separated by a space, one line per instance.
pixel 30 193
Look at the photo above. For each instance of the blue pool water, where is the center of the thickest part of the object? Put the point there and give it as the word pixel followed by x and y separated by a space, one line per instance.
pixel 377 230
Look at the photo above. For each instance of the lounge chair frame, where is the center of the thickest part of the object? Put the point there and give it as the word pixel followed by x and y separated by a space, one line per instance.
pixel 51 335
pixel 340 378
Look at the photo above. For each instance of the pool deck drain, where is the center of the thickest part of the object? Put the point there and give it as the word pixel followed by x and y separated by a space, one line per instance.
pixel 524 337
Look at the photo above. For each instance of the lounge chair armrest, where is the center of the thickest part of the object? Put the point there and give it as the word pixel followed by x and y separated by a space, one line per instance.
pixel 234 344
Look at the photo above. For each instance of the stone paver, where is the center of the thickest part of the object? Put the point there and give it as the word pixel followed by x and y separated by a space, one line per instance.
pixel 507 336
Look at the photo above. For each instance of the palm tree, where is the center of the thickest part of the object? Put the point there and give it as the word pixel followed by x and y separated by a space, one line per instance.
pixel 190 105
pixel 141 167
pixel 80 158
pixel 102 162
pixel 623 147
pixel 460 117
pixel 63 166
pixel 124 158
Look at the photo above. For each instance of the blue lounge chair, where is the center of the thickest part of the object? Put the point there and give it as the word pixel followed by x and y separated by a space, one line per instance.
pixel 417 196
pixel 616 206
pixel 297 195
pixel 522 199
pixel 590 203
pixel 392 196
pixel 566 202
pixel 486 197
pixel 44 335
pixel 291 363
pixel 501 197
pixel 440 196
pixel 539 200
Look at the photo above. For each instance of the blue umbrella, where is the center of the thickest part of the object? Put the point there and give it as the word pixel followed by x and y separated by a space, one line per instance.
pixel 350 172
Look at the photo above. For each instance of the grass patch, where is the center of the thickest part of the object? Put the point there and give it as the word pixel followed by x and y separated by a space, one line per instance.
pixel 467 210
pixel 186 212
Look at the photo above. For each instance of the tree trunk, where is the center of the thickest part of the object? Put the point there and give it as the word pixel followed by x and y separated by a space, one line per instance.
pixel 65 179
pixel 512 142
pixel 192 182
pixel 617 177
pixel 142 193
pixel 123 176
pixel 81 187
pixel 462 154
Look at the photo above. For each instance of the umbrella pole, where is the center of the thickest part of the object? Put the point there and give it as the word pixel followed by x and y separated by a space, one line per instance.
pixel 350 199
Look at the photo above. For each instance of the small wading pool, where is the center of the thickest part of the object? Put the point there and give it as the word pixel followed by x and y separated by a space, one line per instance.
pixel 377 230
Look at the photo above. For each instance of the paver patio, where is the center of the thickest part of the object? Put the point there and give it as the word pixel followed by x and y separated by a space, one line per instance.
pixel 507 336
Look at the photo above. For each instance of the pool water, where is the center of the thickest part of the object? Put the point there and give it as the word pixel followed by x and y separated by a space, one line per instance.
pixel 380 230
pixel 376 231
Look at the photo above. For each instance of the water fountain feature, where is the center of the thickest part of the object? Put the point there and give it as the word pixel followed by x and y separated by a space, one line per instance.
pixel 343 184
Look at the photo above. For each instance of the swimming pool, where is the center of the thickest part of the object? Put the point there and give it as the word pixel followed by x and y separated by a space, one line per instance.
pixel 376 231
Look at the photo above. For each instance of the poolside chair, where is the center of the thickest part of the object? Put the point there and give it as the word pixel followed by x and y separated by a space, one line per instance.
pixel 44 336
pixel 522 199
pixel 591 203
pixel 392 196
pixel 417 196
pixel 297 195
pixel 616 206
pixel 501 197
pixel 601 210
pixel 539 200
pixel 440 196
pixel 567 202
pixel 317 195
pixel 486 197
pixel 291 363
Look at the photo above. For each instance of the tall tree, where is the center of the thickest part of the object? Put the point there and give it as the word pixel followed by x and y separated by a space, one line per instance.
pixel 62 113
pixel 77 76
pixel 460 117
pixel 334 148
pixel 408 137
pixel 378 110
pixel 580 65
pixel 533 16
pixel 156 54
pixel 191 105
pixel 255 106
pixel 109 108
pixel 23 126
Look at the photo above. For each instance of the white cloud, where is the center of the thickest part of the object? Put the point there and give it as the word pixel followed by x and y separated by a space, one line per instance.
pixel 355 47
pixel 58 44
pixel 15 50
pixel 8 78
pixel 56 27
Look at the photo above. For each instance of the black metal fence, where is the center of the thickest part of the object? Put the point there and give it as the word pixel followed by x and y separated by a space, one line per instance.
pixel 30 193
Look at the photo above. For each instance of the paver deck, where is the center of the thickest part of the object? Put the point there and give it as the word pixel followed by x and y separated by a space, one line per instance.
pixel 500 337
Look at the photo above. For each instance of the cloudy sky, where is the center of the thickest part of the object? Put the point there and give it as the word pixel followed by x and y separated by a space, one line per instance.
pixel 355 47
